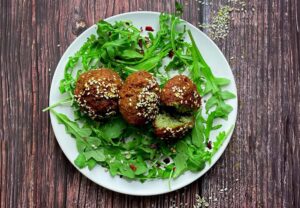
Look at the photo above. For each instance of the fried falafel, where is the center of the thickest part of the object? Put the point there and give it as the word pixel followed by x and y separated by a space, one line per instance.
pixel 97 93
pixel 167 126
pixel 181 93
pixel 139 98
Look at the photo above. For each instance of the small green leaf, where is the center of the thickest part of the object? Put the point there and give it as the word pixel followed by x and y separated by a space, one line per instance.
pixel 80 161
pixel 222 81
pixel 126 171
pixel 220 140
pixel 148 64
pixel 180 164
pixel 141 166
pixel 212 101
pixel 94 142
pixel 209 124
pixel 81 144
pixel 71 126
pixel 225 95
pixel 223 110
pixel 196 163
pixel 131 54
pixel 113 128
pixel 98 155
pixel 91 163
pixel 198 132
pixel 181 146
pixel 114 167
pixel 216 127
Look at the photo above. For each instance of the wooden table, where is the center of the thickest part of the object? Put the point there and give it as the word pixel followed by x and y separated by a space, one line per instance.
pixel 261 166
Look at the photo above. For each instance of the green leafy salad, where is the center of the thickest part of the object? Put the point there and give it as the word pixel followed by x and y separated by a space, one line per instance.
pixel 130 151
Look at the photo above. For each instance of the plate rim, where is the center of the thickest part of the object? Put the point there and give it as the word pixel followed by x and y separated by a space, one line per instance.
pixel 208 165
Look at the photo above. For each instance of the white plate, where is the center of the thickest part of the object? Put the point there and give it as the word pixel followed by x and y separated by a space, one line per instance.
pixel 215 60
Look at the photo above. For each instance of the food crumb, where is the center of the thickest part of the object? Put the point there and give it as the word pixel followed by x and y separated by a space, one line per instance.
pixel 200 202
pixel 219 26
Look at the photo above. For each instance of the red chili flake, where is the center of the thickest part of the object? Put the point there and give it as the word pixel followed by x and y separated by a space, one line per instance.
pixel 140 43
pixel 171 54
pixel 149 28
pixel 174 168
pixel 132 167
pixel 209 145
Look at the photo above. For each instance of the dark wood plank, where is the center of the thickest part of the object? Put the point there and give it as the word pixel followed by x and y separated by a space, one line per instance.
pixel 261 166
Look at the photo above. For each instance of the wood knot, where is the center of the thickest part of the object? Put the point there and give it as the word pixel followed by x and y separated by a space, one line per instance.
pixel 78 27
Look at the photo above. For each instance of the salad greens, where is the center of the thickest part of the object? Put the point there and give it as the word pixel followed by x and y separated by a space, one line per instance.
pixel 129 151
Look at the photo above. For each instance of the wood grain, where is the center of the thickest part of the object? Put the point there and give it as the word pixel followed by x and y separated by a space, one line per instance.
pixel 261 166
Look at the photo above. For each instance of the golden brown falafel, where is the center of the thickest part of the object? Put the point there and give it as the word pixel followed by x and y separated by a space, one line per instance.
pixel 97 92
pixel 181 93
pixel 139 98
pixel 167 126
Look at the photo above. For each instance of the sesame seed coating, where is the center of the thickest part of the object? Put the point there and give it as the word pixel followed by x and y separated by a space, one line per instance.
pixel 139 98
pixel 97 93
pixel 181 92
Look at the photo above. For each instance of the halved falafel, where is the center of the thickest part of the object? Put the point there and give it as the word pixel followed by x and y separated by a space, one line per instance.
pixel 167 126
pixel 139 98
pixel 97 92
pixel 181 93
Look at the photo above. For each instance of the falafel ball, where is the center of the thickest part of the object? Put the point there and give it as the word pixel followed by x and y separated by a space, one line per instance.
pixel 97 93
pixel 167 126
pixel 139 98
pixel 181 93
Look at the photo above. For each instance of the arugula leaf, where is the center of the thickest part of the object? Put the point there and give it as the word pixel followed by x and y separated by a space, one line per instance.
pixel 126 171
pixel 198 132
pixel 212 101
pixel 130 54
pixel 209 125
pixel 220 140
pixel 71 126
pixel 196 163
pixel 225 95
pixel 97 155
pixel 91 163
pixel 141 166
pixel 222 81
pixel 180 164
pixel 80 161
pixel 113 128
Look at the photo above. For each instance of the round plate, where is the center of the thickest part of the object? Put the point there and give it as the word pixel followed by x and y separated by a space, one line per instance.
pixel 215 60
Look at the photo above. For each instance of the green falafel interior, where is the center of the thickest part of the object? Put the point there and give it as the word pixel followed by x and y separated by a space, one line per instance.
pixel 167 126
pixel 134 152
pixel 165 120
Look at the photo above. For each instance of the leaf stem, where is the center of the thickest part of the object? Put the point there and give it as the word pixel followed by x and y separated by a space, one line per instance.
pixel 170 177
pixel 63 101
